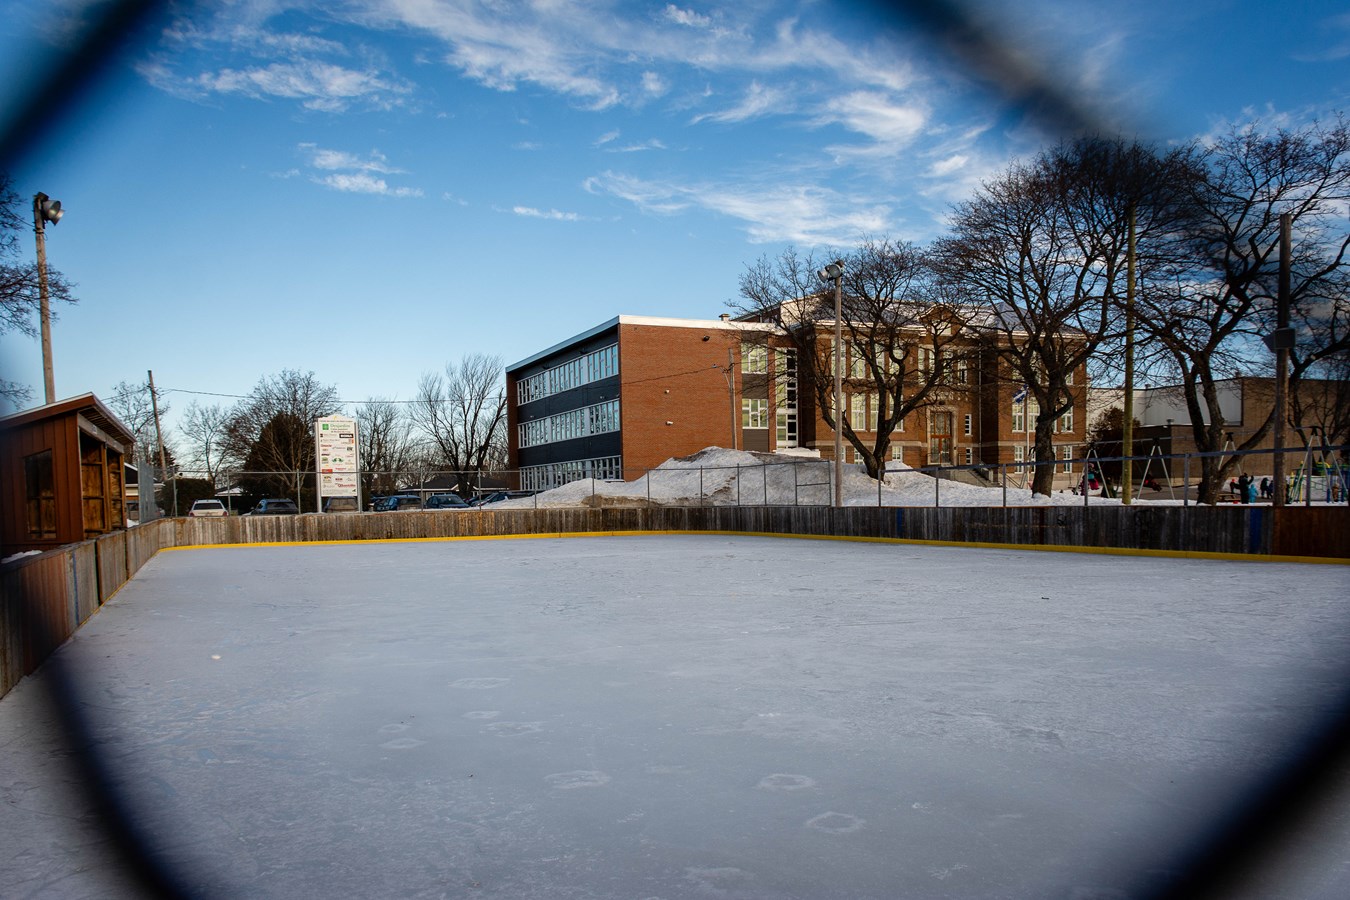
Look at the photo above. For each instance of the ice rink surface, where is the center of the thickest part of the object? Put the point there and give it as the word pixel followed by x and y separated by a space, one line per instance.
pixel 678 717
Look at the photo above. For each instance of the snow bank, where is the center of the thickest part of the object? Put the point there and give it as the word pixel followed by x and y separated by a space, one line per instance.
pixel 720 477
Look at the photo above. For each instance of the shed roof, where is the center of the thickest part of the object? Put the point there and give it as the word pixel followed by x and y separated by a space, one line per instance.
pixel 86 405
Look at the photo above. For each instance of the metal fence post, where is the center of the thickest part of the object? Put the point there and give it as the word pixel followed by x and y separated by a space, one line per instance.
pixel 937 487
pixel 1186 481
pixel 738 484
pixel 765 469
pixel 1004 467
pixel 701 496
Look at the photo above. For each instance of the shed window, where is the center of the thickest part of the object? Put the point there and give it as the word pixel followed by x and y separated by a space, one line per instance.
pixel 39 496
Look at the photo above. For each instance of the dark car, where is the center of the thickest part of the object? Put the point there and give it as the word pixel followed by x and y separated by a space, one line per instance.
pixel 274 508
pixel 397 502
pixel 445 501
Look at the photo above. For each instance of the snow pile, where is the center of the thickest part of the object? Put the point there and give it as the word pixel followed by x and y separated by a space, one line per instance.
pixel 720 477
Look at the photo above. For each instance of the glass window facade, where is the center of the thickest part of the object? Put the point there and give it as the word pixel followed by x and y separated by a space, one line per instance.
pixel 594 366
pixel 600 418
pixel 552 475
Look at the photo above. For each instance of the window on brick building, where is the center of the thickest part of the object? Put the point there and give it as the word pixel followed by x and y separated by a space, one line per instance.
pixel 754 359
pixel 754 412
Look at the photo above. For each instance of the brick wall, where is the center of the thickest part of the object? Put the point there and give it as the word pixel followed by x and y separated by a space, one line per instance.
pixel 670 375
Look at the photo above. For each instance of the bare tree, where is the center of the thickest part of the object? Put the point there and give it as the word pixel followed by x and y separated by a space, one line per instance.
pixel 19 295
pixel 204 429
pixel 1321 397
pixel 1208 316
pixel 903 347
pixel 462 414
pixel 270 433
pixel 386 446
pixel 1045 246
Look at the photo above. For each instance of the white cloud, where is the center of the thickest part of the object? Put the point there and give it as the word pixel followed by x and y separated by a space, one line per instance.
pixel 364 183
pixel 317 85
pixel 878 117
pixel 758 101
pixel 688 17
pixel 355 174
pixel 949 166
pixel 554 215
pixel 653 84
pixel 321 158
pixel 653 144
pixel 803 213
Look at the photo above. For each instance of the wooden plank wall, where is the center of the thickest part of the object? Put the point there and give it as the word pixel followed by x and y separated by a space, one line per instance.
pixel 44 598
pixel 37 602
pixel 1316 532
pixel 112 564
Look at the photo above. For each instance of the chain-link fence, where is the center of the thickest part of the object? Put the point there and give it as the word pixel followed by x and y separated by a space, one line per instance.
pixel 1315 476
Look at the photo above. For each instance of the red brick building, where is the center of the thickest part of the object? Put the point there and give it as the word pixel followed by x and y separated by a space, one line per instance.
pixel 625 396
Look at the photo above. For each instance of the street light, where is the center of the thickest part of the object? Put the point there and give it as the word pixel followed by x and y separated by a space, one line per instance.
pixel 45 210
pixel 835 272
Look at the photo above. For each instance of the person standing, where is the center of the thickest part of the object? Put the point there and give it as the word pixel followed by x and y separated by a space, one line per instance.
pixel 1265 488
pixel 1244 485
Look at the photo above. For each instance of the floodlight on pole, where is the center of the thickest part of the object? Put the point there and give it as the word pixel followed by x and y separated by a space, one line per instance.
pixel 45 210
pixel 835 272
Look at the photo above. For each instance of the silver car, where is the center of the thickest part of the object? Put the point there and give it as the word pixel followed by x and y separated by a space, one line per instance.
pixel 207 508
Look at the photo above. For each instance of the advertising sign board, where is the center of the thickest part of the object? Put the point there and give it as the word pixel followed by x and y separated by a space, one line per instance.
pixel 337 458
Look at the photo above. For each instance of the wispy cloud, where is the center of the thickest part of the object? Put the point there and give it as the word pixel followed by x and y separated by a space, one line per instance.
pixel 758 101
pixel 877 116
pixel 652 144
pixel 317 85
pixel 806 214
pixel 1334 44
pixel 553 215
pixel 322 158
pixel 675 14
pixel 354 174
pixel 365 183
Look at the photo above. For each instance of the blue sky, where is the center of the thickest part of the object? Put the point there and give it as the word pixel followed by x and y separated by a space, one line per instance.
pixel 371 189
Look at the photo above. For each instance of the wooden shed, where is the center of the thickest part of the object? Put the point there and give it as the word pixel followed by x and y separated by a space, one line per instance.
pixel 61 476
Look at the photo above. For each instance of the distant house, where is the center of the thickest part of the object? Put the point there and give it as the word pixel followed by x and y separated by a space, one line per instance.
pixel 61 474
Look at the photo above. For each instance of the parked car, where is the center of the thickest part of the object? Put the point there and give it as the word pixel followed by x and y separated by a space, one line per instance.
pixel 340 504
pixel 274 508
pixel 202 508
pixel 398 502
pixel 498 496
pixel 445 501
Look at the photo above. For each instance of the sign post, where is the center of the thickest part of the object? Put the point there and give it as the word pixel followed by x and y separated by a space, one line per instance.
pixel 337 459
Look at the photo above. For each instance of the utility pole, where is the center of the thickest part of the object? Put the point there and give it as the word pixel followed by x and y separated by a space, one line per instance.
pixel 731 392
pixel 1282 342
pixel 1127 435
pixel 45 210
pixel 159 439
